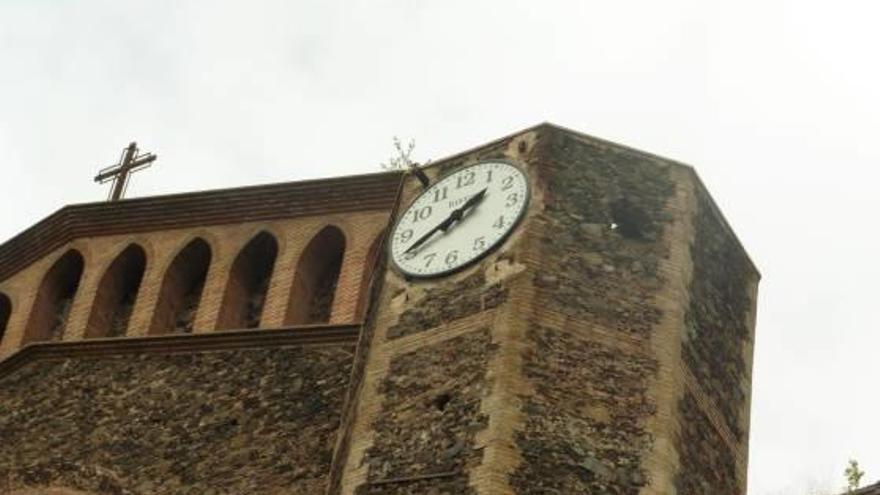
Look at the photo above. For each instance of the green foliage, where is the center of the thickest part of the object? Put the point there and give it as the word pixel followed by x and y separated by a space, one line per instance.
pixel 853 475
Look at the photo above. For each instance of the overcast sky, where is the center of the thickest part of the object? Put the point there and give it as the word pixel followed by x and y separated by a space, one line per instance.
pixel 776 104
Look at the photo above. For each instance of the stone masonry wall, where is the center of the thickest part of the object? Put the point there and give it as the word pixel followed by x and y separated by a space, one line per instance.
pixel 238 421
pixel 717 317
pixel 585 429
pixel 602 243
pixel 458 300
pixel 716 350
pixel 706 469
pixel 431 414
pixel 596 276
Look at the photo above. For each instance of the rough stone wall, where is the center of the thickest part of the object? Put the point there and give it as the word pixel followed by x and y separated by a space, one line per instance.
pixel 717 317
pixel 585 429
pixel 457 300
pixel 242 421
pixel 226 242
pixel 600 241
pixel 717 350
pixel 431 415
pixel 706 467
pixel 605 212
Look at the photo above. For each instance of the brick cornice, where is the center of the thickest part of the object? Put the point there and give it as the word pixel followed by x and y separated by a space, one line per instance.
pixel 224 206
pixel 184 343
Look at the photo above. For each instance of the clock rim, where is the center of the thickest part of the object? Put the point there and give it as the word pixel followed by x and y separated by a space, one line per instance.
pixel 496 245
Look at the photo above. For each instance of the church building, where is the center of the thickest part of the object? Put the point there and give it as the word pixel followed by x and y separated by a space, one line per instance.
pixel 548 313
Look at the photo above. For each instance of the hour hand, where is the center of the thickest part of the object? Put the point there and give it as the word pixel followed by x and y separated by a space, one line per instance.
pixel 458 213
pixel 453 217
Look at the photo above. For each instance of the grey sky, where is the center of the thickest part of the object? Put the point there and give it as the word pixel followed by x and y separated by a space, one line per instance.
pixel 776 104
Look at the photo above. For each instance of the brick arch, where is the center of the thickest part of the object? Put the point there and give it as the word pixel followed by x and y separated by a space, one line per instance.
pixel 54 298
pixel 248 283
pixel 315 278
pixel 116 294
pixel 371 262
pixel 181 289
pixel 5 313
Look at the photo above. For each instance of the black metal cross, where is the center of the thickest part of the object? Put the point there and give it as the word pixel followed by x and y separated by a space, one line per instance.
pixel 131 161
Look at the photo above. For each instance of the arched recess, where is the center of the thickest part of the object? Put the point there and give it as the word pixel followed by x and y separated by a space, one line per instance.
pixel 181 289
pixel 370 264
pixel 248 283
pixel 117 292
pixel 5 313
pixel 315 279
pixel 54 299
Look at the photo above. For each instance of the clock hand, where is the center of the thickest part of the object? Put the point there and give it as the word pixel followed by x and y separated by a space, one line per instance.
pixel 443 226
pixel 453 217
pixel 458 213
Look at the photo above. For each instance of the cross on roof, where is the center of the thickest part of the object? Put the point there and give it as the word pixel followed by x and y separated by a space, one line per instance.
pixel 131 161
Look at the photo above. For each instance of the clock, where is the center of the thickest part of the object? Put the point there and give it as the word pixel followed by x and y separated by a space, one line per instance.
pixel 459 219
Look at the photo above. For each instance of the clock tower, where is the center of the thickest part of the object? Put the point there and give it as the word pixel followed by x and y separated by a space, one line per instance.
pixel 559 314
pixel 549 313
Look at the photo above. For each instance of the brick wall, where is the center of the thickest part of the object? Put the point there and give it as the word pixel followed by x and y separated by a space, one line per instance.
pixel 224 242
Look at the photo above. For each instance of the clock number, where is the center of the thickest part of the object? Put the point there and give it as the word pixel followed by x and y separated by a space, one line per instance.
pixel 488 176
pixel 512 199
pixel 422 213
pixel 451 257
pixel 439 194
pixel 406 235
pixel 507 183
pixel 429 257
pixel 410 255
pixel 479 243
pixel 466 179
pixel 499 224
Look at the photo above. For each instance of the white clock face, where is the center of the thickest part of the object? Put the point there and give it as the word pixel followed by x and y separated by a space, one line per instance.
pixel 459 219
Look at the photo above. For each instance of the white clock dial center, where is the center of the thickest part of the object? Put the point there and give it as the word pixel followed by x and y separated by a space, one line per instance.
pixel 459 219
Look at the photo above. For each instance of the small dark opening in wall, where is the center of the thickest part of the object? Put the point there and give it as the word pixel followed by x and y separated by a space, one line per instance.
pixel 115 298
pixel 54 299
pixel 181 289
pixel 248 283
pixel 316 278
pixel 629 220
pixel 441 400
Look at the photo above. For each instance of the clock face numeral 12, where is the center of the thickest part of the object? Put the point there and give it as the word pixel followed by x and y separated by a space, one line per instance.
pixel 459 219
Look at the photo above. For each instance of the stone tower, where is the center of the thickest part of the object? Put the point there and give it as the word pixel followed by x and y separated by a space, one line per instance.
pixel 606 347
pixel 258 340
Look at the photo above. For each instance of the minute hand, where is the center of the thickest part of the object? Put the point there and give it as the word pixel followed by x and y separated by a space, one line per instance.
pixel 454 216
